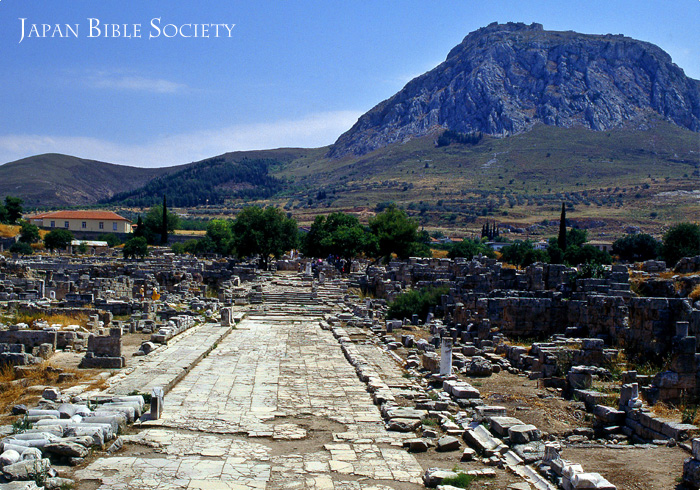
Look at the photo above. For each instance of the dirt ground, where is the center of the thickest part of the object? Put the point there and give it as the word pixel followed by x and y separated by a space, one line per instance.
pixel 525 400
pixel 70 360
pixel 633 467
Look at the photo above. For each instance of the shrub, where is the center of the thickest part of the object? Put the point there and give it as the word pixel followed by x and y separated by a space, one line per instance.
pixel 682 240
pixel 469 248
pixel 21 248
pixel 416 302
pixel 636 247
pixel 136 247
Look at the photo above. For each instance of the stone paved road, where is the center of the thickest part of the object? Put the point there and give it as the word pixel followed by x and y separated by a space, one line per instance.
pixel 167 365
pixel 275 405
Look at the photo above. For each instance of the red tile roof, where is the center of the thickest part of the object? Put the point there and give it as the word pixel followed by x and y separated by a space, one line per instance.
pixel 97 215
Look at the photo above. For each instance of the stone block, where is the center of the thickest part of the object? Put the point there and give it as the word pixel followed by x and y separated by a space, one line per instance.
pixel 592 344
pixel 530 452
pixel 590 480
pixel 448 443
pixel 403 425
pixel 500 425
pixel 691 472
pixel 608 415
pixel 522 434
pixel 696 448
pixel 485 412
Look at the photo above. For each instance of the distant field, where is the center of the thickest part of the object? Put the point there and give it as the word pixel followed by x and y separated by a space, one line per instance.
pixel 619 178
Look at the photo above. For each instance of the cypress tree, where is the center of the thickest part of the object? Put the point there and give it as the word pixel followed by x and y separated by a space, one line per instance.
pixel 561 239
pixel 164 226
pixel 139 228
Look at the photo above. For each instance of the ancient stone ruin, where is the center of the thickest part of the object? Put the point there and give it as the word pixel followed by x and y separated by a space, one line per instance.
pixel 232 377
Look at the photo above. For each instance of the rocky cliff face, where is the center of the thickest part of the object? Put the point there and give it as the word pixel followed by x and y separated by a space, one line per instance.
pixel 503 79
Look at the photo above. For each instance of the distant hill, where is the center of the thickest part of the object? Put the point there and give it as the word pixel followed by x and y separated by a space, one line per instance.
pixel 243 175
pixel 211 181
pixel 506 79
pixel 54 180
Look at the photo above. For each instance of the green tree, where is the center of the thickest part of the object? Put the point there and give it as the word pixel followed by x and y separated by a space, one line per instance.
pixel 586 254
pixel 136 247
pixel 29 233
pixel 338 234
pixel 682 240
pixel 561 240
pixel 164 223
pixel 194 247
pixel 153 223
pixel 636 247
pixel 139 231
pixel 178 248
pixel 556 254
pixel 111 239
pixel 575 237
pixel 523 253
pixel 58 239
pixel 416 302
pixel 395 233
pixel 219 232
pixel 469 248
pixel 4 217
pixel 21 248
pixel 13 208
pixel 264 232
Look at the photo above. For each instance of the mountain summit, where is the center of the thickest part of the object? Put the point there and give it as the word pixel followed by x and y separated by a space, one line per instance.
pixel 505 78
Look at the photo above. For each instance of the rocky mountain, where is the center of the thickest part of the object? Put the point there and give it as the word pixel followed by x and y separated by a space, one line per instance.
pixel 504 79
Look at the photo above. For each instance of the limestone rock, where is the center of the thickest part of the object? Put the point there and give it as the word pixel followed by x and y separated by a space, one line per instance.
pixel 9 457
pixel 434 476
pixel 448 443
pixel 26 470
pixel 479 367
pixel 497 81
pixel 66 448
pixel 522 434
pixel 403 425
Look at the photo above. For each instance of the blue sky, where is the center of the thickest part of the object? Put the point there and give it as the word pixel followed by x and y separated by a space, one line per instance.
pixel 293 72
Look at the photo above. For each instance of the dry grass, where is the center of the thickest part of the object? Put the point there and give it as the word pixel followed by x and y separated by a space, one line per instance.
pixel 14 384
pixel 685 412
pixel 64 320
pixel 439 254
pixel 8 231
pixel 695 293
pixel 666 411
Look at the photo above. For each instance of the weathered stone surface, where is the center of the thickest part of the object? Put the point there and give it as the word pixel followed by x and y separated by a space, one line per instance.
pixel 403 425
pixel 691 472
pixel 9 457
pixel 500 425
pixel 416 445
pixel 26 470
pixel 458 96
pixel 434 476
pixel 448 443
pixel 530 452
pixel 479 366
pixel 522 434
pixel 66 448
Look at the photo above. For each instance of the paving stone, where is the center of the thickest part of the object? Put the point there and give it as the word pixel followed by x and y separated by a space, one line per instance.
pixel 275 375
